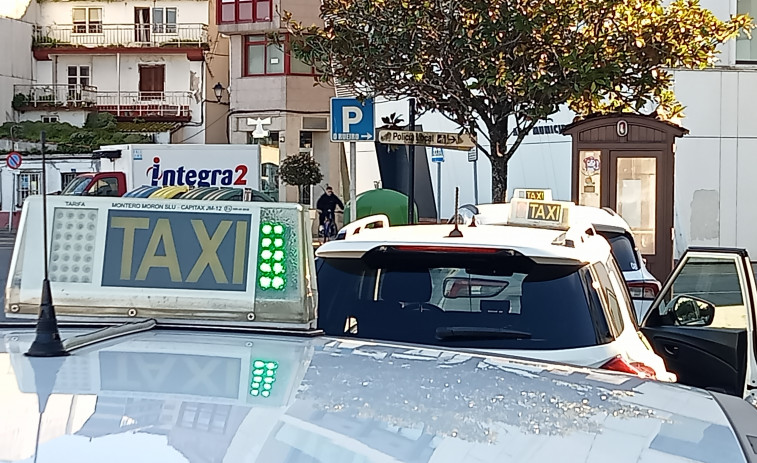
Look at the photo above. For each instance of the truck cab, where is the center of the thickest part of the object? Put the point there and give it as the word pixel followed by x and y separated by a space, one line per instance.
pixel 97 184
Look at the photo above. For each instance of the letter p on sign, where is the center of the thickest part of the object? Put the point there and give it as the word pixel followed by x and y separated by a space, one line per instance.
pixel 350 115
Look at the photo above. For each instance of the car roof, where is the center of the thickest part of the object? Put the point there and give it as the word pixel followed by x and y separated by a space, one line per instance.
pixel 187 396
pixel 603 219
pixel 529 241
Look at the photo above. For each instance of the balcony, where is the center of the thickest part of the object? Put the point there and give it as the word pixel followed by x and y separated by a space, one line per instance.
pixel 148 106
pixel 126 106
pixel 77 38
pixel 61 96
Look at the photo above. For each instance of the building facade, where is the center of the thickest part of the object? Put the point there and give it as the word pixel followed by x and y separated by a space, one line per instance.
pixel 272 97
pixel 142 61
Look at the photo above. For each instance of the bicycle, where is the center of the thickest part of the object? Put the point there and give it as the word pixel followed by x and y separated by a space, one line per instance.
pixel 328 231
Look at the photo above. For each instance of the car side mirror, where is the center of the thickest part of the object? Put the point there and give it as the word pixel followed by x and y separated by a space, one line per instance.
pixel 692 311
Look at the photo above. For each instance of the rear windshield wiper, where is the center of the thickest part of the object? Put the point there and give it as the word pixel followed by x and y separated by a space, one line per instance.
pixel 476 332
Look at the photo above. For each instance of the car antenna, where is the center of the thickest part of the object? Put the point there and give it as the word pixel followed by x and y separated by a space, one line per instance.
pixel 47 342
pixel 456 233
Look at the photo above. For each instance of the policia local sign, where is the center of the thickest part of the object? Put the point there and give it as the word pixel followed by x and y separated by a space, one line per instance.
pixel 453 141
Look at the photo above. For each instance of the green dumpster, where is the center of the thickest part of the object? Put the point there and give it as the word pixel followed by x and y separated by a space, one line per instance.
pixel 391 203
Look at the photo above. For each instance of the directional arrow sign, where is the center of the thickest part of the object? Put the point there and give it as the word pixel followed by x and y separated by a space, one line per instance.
pixel 452 141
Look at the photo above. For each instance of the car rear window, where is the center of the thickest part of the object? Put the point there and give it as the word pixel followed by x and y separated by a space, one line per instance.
pixel 623 251
pixel 451 304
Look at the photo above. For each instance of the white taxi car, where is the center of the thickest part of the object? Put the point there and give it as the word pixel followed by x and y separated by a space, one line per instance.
pixel 223 362
pixel 544 286
pixel 642 285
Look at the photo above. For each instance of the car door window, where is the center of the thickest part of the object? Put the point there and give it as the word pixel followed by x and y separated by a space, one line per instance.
pixel 609 297
pixel 717 280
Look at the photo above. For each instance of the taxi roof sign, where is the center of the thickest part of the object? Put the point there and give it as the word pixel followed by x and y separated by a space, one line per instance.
pixel 541 214
pixel 198 262
pixel 539 194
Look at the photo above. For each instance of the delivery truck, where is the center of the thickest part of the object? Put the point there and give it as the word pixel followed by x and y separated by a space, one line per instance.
pixel 123 168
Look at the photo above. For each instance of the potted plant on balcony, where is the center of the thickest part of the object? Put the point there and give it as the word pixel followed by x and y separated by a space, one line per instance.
pixel 300 170
pixel 20 101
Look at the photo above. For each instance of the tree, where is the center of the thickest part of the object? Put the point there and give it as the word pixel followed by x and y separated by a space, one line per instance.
pixel 300 170
pixel 508 64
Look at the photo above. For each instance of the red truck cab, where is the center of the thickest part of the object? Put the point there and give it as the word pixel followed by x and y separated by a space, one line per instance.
pixel 97 184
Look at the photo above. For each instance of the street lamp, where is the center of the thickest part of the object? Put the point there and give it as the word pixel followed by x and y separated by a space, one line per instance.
pixel 218 90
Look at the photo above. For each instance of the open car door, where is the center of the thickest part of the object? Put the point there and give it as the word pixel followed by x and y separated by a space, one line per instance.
pixel 702 322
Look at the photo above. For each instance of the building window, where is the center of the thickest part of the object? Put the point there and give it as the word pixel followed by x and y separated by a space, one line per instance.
pixel 78 79
pixel 244 11
pixel 746 48
pixel 164 20
pixel 27 184
pixel 49 119
pixel 87 20
pixel 263 57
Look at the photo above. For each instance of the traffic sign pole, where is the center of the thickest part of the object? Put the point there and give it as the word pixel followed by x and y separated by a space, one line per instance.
pixel 411 170
pixel 353 179
pixel 439 192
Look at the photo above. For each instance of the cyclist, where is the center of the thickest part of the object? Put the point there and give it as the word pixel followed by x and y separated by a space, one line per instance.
pixel 326 206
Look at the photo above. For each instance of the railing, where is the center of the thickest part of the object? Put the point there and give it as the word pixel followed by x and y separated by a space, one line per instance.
pixel 95 34
pixel 58 95
pixel 168 105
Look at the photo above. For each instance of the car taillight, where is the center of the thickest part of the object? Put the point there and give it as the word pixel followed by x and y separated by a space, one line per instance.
pixel 643 289
pixel 618 363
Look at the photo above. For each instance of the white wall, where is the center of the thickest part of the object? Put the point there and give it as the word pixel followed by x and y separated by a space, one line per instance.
pixel 16 65
pixel 76 118
pixel 122 12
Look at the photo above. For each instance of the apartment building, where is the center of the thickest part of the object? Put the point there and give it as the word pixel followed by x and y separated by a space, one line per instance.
pixel 272 98
pixel 152 64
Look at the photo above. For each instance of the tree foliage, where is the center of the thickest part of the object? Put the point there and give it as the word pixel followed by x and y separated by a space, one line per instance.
pixel 498 67
pixel 300 170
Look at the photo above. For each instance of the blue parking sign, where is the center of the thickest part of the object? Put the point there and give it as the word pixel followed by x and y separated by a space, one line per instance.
pixel 352 120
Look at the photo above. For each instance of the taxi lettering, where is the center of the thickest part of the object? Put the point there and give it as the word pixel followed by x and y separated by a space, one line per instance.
pixel 170 250
pixel 535 194
pixel 545 211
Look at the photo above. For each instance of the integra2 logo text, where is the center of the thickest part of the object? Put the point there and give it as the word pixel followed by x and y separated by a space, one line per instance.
pixel 196 177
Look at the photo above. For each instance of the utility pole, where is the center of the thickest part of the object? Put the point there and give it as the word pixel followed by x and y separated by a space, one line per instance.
pixel 411 170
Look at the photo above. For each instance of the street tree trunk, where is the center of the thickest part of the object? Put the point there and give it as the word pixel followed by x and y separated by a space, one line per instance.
pixel 499 178
pixel 498 155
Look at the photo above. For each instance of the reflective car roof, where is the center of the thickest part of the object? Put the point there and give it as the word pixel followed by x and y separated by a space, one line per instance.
pixel 184 396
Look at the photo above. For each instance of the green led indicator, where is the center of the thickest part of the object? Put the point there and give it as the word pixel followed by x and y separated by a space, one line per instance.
pixel 271 268
pixel 264 375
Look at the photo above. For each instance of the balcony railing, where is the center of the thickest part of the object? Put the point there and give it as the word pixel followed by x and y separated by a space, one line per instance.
pixel 147 105
pixel 95 34
pixel 53 95
pixel 169 106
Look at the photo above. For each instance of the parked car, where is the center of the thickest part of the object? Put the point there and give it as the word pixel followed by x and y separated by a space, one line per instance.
pixel 539 287
pixel 642 285
pixel 703 321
